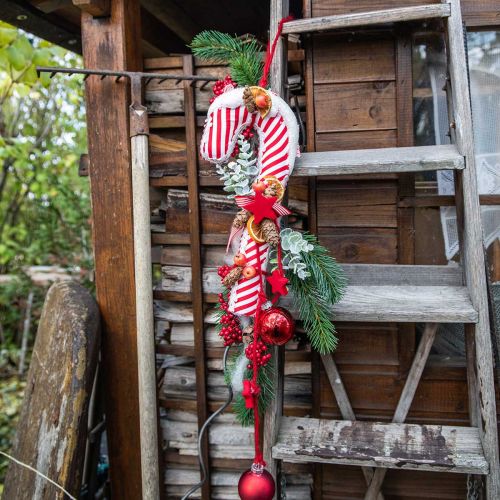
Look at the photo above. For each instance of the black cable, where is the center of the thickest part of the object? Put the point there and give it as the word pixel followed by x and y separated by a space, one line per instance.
pixel 203 466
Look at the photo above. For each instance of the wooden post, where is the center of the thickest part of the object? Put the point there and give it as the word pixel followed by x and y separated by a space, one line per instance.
pixel 472 248
pixel 146 359
pixel 114 43
pixel 196 265
pixel 279 10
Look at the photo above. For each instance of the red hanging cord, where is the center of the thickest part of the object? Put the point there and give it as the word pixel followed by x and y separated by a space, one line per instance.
pixel 270 52
pixel 259 459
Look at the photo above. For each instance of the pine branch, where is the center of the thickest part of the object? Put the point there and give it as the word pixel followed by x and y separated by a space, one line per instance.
pixel 329 276
pixel 242 55
pixel 246 69
pixel 314 311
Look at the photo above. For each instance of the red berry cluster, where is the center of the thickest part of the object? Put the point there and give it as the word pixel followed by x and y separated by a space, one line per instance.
pixel 223 271
pixel 220 85
pixel 247 133
pixel 231 331
pixel 262 356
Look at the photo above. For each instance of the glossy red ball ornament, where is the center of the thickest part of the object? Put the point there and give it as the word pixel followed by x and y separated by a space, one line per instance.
pixel 276 326
pixel 256 484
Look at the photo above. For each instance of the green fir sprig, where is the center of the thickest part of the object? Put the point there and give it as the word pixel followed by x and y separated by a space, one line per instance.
pixel 243 55
pixel 243 414
pixel 314 295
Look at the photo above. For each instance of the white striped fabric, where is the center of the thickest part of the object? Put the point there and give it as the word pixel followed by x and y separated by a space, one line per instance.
pixel 226 119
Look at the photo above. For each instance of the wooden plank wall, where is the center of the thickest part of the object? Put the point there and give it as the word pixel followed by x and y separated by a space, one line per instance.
pixel 180 393
pixel 358 95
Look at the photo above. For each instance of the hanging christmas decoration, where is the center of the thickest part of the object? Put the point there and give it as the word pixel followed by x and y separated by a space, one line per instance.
pixel 276 326
pixel 256 484
pixel 251 134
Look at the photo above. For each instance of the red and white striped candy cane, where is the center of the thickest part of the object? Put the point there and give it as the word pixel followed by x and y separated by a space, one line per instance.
pixel 278 134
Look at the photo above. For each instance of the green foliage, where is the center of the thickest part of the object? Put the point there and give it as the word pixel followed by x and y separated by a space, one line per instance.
pixel 243 414
pixel 44 205
pixel 314 295
pixel 11 398
pixel 242 54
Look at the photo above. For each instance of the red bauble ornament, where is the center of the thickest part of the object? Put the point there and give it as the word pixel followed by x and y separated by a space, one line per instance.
pixel 276 326
pixel 256 484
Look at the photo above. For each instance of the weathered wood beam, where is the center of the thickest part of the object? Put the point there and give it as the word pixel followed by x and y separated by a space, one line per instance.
pixel 114 43
pixel 53 423
pixel 472 248
pixel 96 8
pixel 359 19
pixel 174 18
pixel 396 446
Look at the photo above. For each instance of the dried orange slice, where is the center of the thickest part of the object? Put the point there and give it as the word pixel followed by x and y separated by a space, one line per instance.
pixel 255 231
pixel 273 181
pixel 262 99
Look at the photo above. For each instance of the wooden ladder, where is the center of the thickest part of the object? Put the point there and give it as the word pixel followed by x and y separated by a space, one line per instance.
pixel 388 293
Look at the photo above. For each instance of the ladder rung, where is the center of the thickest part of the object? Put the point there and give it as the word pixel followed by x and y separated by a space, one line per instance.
pixel 359 19
pixel 397 446
pixel 383 160
pixel 378 292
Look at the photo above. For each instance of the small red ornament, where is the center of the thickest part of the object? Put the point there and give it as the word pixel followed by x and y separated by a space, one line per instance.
pixel 278 282
pixel 240 259
pixel 259 186
pixel 256 484
pixel 249 272
pixel 261 101
pixel 276 326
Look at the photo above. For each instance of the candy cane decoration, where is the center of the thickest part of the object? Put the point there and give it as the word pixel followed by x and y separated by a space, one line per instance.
pixel 278 135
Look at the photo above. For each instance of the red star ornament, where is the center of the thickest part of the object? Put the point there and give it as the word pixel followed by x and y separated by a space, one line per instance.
pixel 262 207
pixel 278 282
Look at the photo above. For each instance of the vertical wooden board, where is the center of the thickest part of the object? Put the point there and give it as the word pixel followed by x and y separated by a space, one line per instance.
pixel 196 267
pixel 355 106
pixel 367 344
pixel 352 60
pixel 361 245
pixel 331 141
pixel 429 242
pixel 113 43
pixel 357 204
pixel 343 482
pixel 374 395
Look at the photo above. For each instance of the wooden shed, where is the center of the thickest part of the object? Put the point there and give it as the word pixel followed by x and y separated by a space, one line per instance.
pixel 372 88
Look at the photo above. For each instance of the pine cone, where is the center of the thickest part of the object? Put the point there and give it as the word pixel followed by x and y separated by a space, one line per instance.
pixel 248 334
pixel 249 100
pixel 241 219
pixel 271 191
pixel 270 232
pixel 232 277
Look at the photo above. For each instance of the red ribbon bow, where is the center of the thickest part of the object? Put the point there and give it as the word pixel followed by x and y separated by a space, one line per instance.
pixel 249 392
